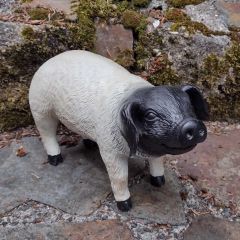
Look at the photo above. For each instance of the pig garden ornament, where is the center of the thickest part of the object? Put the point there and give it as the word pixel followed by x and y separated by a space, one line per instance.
pixel 124 114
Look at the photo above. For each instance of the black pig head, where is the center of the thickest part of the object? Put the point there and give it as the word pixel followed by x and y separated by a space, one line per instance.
pixel 164 120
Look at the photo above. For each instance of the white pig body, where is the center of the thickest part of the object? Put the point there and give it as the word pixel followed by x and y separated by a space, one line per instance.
pixel 85 92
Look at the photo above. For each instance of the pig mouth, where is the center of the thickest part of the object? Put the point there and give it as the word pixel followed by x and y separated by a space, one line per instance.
pixel 179 149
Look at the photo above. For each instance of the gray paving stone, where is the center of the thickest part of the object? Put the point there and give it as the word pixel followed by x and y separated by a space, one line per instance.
pixel 79 184
pixel 210 228
pixel 99 230
pixel 161 205
pixel 76 186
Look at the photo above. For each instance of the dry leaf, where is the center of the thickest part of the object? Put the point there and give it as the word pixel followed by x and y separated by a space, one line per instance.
pixel 21 152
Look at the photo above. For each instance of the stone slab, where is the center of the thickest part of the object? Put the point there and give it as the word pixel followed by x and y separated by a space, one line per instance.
pixel 10 33
pixel 7 6
pixel 99 230
pixel 210 228
pixel 112 40
pixel 76 186
pixel 215 164
pixel 231 9
pixel 207 14
pixel 160 205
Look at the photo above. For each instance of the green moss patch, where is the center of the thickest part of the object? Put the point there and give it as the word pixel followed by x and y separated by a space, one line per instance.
pixel 141 3
pixel 125 58
pixel 183 3
pixel 181 19
pixel 161 72
pixel 14 108
pixel 222 74
pixel 176 15
pixel 38 13
pixel 131 19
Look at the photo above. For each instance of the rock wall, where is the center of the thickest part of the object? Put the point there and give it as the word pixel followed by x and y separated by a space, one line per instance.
pixel 166 42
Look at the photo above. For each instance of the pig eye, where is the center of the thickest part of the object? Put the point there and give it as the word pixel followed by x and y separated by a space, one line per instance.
pixel 150 116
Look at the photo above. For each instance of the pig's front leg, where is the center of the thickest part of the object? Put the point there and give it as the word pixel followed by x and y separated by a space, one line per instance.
pixel 157 172
pixel 117 167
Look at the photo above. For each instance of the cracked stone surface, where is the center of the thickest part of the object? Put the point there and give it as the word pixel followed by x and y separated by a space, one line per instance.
pixel 208 227
pixel 161 205
pixel 214 165
pixel 97 230
pixel 74 186
pixel 79 184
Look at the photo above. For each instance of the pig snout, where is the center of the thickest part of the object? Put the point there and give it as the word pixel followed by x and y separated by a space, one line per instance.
pixel 191 132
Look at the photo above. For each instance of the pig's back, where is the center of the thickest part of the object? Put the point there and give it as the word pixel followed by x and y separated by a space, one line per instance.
pixel 79 85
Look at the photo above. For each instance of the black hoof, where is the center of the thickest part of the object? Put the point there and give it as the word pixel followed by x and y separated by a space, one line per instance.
pixel 89 144
pixel 124 206
pixel 55 160
pixel 158 181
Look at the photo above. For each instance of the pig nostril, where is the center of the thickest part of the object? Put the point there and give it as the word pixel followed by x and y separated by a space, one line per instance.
pixel 189 135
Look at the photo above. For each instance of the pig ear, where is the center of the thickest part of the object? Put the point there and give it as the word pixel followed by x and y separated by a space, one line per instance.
pixel 129 132
pixel 198 102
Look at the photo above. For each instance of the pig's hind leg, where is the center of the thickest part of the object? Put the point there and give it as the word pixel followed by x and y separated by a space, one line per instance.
pixel 47 127
pixel 157 172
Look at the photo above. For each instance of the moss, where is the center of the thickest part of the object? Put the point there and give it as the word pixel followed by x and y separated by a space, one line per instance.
pixel 94 8
pixel 14 108
pixel 18 63
pixel 28 32
pixel 125 58
pixel 176 15
pixel 141 3
pixel 223 75
pixel 26 1
pixel 131 19
pixel 183 3
pixel 192 27
pixel 144 46
pixel 38 13
pixel 181 19
pixel 161 72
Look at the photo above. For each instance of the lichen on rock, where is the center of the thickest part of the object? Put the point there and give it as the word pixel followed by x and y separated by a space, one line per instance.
pixel 220 77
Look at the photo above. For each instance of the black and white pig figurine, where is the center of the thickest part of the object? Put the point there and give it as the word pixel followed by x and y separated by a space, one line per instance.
pixel 123 113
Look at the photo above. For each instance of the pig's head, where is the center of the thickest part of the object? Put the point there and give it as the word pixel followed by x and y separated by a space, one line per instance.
pixel 164 120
